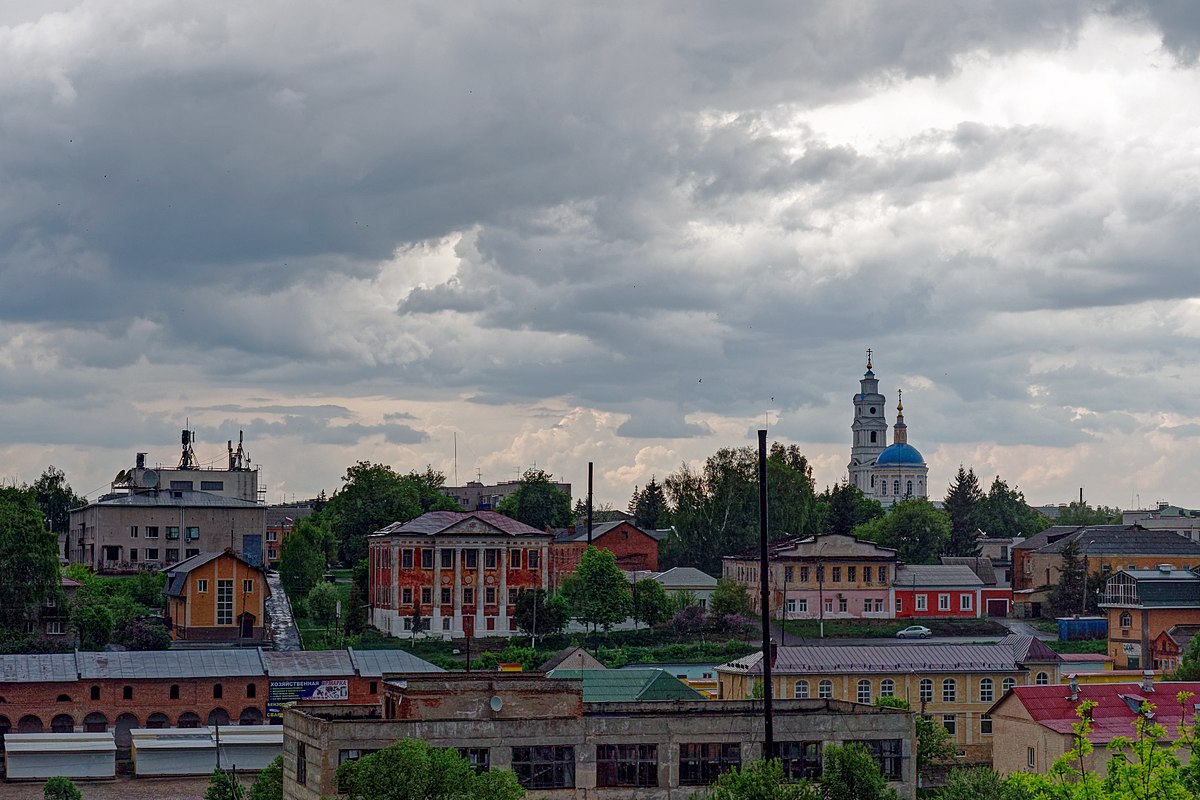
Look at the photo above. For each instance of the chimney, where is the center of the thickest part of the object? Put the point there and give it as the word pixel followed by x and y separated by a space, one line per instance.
pixel 774 651
pixel 1074 684
pixel 141 460
pixel 1148 680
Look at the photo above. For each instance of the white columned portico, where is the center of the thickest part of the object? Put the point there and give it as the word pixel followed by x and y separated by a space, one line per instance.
pixel 502 593
pixel 435 616
pixel 457 624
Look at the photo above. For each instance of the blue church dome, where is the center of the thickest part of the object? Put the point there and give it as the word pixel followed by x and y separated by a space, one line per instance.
pixel 900 455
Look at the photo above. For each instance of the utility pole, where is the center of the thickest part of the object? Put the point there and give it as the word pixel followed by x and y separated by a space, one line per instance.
pixel 764 594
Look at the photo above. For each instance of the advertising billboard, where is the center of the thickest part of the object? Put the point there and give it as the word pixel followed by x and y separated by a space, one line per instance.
pixel 281 694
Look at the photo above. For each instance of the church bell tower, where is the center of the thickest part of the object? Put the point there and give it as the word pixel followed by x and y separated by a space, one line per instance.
pixel 869 431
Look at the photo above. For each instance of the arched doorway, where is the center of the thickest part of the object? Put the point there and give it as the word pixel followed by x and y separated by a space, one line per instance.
pixel 5 727
pixel 246 625
pixel 250 716
pixel 63 723
pixel 189 720
pixel 124 724
pixel 158 720
pixel 29 724
pixel 95 722
pixel 218 716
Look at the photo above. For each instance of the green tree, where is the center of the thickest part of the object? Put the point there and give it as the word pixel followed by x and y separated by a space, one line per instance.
pixel 93 624
pixel 302 558
pixel 146 588
pixel 850 773
pixel 538 502
pixel 730 597
pixel 1077 513
pixel 1003 513
pixel 224 785
pixel 269 783
pixel 600 594
pixel 148 634
pixel 1189 662
pixel 356 614
pixel 322 602
pixel 914 526
pixel 539 614
pixel 975 784
pixel 55 498
pixel 935 745
pixel 760 780
pixel 962 506
pixel 844 507
pixel 29 554
pixel 649 506
pixel 61 789
pixel 650 602
pixel 410 769
pixel 1067 596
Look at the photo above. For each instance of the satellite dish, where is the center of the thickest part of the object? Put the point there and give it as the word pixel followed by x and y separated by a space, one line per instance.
pixel 148 479
pixel 496 703
pixel 122 477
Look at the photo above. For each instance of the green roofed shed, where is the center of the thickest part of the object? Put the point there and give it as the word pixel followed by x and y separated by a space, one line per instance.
pixel 628 685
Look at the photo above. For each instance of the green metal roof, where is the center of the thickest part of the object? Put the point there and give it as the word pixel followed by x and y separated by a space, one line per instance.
pixel 628 685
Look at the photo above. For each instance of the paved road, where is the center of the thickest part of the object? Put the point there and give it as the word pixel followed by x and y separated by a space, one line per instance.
pixel 283 625
pixel 1014 625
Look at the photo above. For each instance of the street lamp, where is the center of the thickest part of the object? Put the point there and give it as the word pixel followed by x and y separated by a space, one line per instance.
pixel 1083 600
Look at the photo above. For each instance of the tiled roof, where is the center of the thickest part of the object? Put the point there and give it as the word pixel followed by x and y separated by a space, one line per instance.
pixel 435 522
pixel 923 575
pixel 840 659
pixel 1115 710
pixel 628 685
pixel 173 497
pixel 377 663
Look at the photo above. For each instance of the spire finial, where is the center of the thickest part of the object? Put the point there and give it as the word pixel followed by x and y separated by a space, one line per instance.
pixel 900 400
pixel 868 358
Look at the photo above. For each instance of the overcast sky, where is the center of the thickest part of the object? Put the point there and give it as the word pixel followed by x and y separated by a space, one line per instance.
pixel 619 232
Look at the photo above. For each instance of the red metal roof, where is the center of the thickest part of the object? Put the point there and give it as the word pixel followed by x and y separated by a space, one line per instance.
pixel 434 522
pixel 1115 710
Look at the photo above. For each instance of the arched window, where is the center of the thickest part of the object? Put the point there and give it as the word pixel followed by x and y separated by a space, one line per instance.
pixel 189 720
pixel 63 723
pixel 127 693
pixel 882 486
pixel 864 691
pixel 250 716
pixel 887 688
pixel 158 720
pixel 949 690
pixel 926 690
pixel 1126 619
pixel 801 690
pixel 29 724
pixel 63 698
pixel 1042 679
pixel 251 690
pixel 896 486
pixel 987 690
pixel 825 690
pixel 174 691
pixel 218 716
pixel 95 722
pixel 1008 683
pixel 910 488
pixel 872 481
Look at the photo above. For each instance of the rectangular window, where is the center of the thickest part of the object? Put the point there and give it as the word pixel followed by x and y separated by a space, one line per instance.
pixel 448 563
pixel 701 764
pixel 1031 757
pixel 426 595
pixel 172 532
pixel 426 558
pixel 514 559
pixel 133 554
pixel 899 605
pixel 626 765
pixel 512 597
pixel 842 605
pixel 922 602
pixel 791 605
pixel 852 574
pixel 788 574
pixel 534 560
pixel 829 606
pixel 445 595
pixel 54 628
pixel 837 574
pixel 985 725
pixel 802 606
pixel 133 532
pixel 247 587
pixel 490 557
pixel 406 558
pixel 272 536
pixel 152 554
pixel 471 559
pixel 950 723
pixel 192 533
pixel 445 623
pixel 182 486
pixel 801 760
pixel 301 764
pixel 965 602
pixel 943 602
pixel 804 574
pixel 544 766
pixel 489 596
pixel 202 586
pixel 172 554
pixel 224 602
pixel 212 486
pixel 191 551
pixel 468 596
pixel 480 758
pixel 888 754
pixel 406 596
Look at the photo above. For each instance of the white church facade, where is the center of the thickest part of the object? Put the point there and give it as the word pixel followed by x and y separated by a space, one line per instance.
pixel 884 472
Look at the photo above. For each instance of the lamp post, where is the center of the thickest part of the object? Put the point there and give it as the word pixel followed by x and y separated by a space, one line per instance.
pixel 1083 600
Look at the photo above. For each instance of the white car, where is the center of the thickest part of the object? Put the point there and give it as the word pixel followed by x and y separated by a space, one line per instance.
pixel 915 632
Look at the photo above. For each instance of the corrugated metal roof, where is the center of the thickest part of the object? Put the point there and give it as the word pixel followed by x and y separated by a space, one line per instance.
pixel 170 664
pixel 925 575
pixel 435 522
pixel 1115 710
pixel 840 659
pixel 38 667
pixel 628 685
pixel 685 576
pixel 308 663
pixel 377 663
pixel 1131 540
